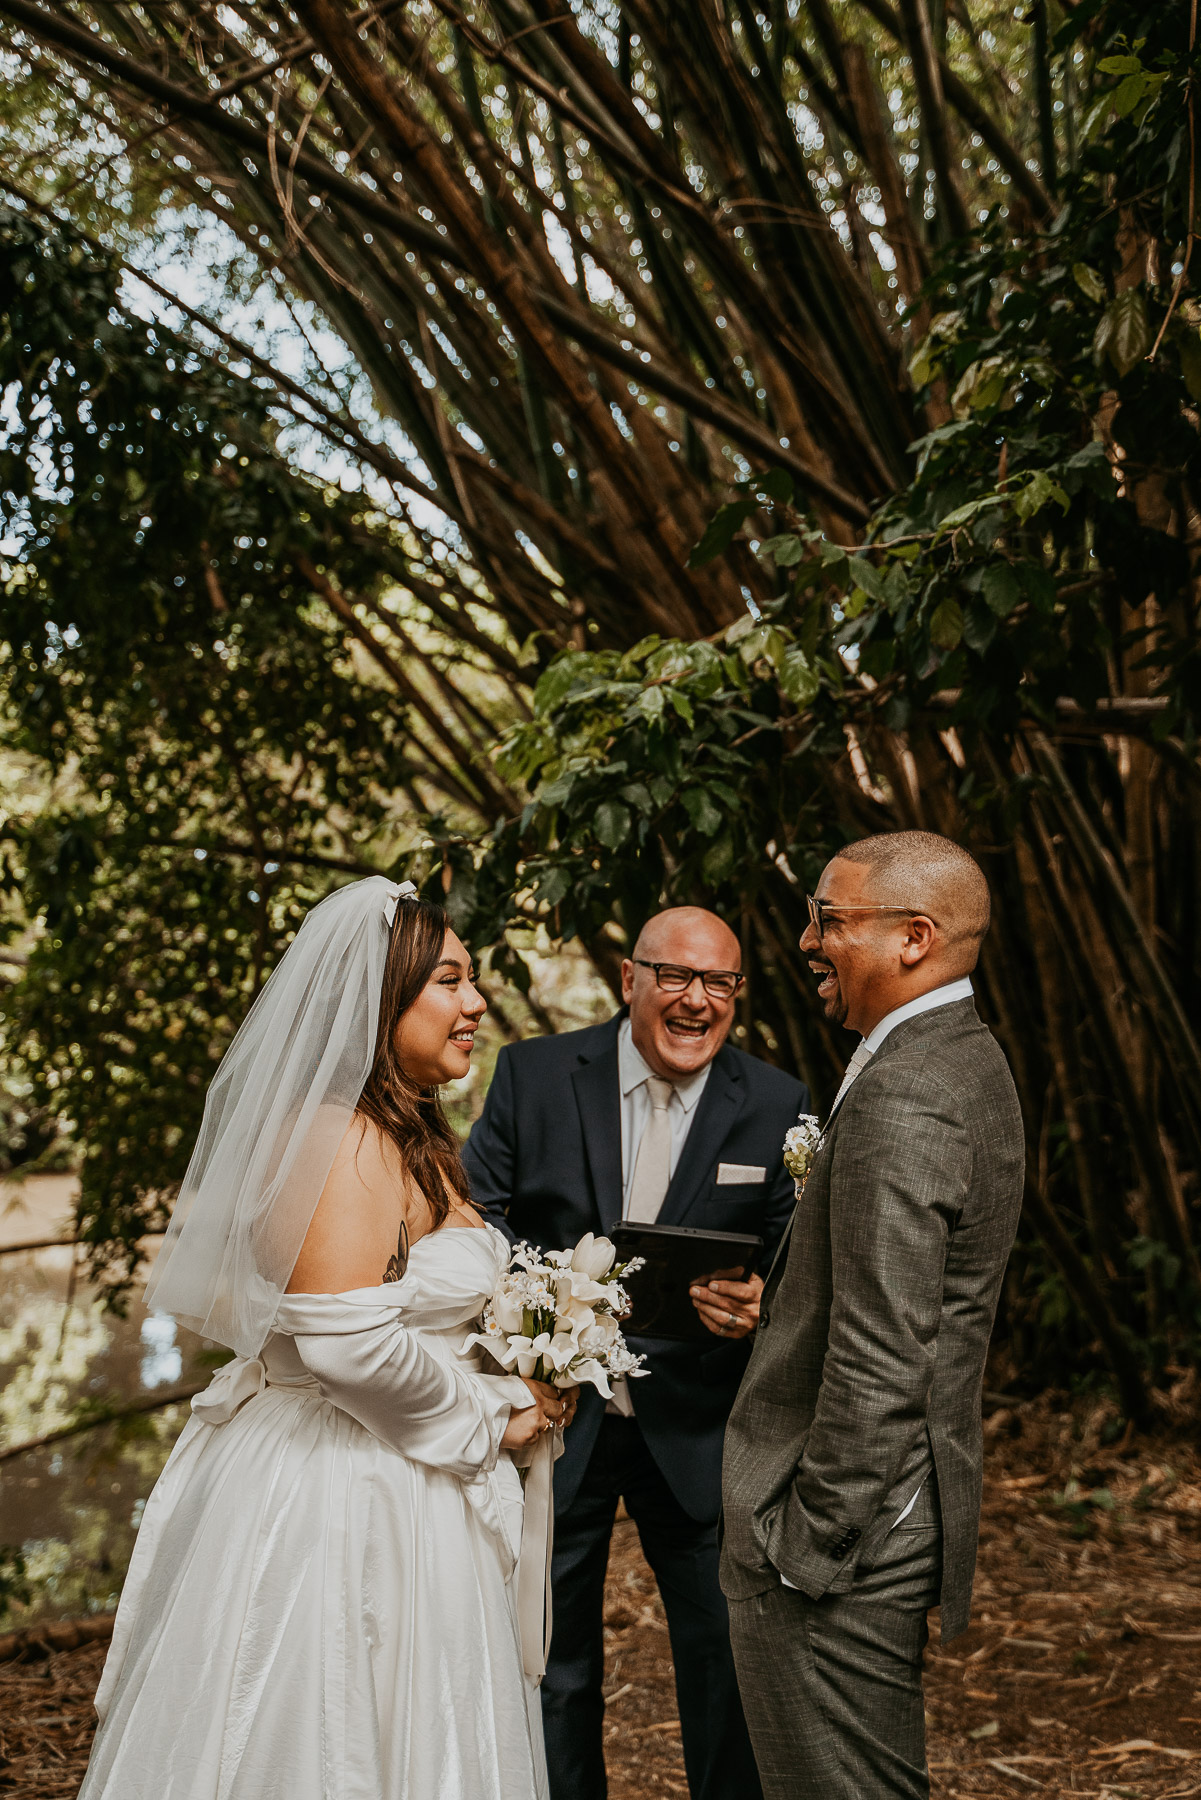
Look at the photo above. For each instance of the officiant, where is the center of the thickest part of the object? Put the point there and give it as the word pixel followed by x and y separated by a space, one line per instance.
pixel 652 1116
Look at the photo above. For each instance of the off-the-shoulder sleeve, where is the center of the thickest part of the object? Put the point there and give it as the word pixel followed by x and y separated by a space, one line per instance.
pixel 367 1362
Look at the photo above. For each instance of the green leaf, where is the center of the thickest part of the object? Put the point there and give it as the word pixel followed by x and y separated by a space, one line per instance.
pixel 1123 334
pixel 718 861
pixel 1000 588
pixel 1120 65
pixel 787 549
pixel 981 385
pixel 1038 492
pixel 979 627
pixel 799 679
pixel 1088 281
pixel 650 704
pixel 699 806
pixel 963 515
pixel 612 823
pixel 682 704
pixel 558 680
pixel 641 650
pixel 946 625
pixel 554 793
pixel 720 532
pixel 775 483
pixel 1128 93
pixel 554 886
pixel 870 578
pixel 638 795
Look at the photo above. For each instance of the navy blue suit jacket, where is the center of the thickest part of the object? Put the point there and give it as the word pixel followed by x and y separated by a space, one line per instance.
pixel 544 1161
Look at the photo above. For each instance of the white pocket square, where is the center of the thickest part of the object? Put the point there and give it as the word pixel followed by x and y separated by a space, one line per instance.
pixel 732 1174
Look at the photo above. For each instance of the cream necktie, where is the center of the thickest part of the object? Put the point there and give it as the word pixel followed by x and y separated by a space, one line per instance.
pixel 652 1168
pixel 648 1189
pixel 855 1067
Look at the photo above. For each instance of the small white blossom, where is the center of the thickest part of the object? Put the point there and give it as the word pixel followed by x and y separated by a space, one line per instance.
pixel 800 1147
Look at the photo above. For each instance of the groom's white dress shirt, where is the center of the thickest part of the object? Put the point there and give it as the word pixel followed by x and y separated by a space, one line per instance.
pixel 868 1046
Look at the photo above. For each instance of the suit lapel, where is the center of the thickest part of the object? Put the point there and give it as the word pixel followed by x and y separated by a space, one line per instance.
pixel 823 1150
pixel 598 1096
pixel 898 1038
pixel 716 1110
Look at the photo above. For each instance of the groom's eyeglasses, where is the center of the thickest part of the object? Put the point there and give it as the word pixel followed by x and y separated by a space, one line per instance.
pixel 674 978
pixel 820 911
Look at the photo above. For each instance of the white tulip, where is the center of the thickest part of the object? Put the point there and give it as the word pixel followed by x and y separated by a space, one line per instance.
pixel 593 1256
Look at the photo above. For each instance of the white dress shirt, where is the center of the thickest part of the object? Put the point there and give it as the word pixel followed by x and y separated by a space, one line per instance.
pixel 632 1071
pixel 939 996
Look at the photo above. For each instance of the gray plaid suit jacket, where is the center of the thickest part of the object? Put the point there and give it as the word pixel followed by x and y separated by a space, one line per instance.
pixel 868 1363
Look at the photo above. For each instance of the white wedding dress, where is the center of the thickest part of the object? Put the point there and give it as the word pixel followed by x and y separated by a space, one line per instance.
pixel 321 1603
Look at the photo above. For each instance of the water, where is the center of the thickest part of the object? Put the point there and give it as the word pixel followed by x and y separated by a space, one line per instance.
pixel 72 1508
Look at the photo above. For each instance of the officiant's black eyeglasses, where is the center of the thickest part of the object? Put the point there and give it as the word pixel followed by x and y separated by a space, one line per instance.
pixel 819 911
pixel 673 978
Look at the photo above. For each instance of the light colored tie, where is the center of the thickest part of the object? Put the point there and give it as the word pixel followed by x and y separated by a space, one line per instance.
pixel 648 1190
pixel 855 1067
pixel 652 1169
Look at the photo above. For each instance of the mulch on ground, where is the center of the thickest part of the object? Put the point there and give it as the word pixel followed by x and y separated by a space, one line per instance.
pixel 1081 1675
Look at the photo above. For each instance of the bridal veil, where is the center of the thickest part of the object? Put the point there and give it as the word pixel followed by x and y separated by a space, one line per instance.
pixel 279 1106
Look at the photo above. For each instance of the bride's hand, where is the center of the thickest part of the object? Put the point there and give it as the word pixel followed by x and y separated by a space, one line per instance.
pixel 552 1406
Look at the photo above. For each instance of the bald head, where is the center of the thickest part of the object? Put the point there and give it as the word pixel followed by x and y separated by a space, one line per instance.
pixel 679 1028
pixel 690 935
pixel 933 875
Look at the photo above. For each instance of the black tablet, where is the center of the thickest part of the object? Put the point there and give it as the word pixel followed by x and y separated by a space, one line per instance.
pixel 678 1258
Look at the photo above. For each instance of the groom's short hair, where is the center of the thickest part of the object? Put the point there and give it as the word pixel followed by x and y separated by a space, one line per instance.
pixel 930 873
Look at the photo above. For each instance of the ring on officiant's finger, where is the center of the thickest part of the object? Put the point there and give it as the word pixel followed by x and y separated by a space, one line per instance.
pixel 731 1319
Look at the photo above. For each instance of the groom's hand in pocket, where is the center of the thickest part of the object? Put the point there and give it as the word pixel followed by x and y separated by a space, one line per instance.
pixel 729 1308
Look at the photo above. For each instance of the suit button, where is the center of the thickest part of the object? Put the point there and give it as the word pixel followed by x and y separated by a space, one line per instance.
pixel 764 1321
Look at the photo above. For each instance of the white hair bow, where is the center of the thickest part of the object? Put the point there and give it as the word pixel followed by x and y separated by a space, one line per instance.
pixel 405 891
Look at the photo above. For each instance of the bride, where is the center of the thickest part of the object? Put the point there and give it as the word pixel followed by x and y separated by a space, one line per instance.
pixel 321 1602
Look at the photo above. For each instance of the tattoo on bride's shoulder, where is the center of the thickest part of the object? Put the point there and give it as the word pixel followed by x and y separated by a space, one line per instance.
pixel 398 1262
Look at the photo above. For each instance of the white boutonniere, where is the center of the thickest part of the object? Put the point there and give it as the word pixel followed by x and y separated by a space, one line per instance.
pixel 800 1148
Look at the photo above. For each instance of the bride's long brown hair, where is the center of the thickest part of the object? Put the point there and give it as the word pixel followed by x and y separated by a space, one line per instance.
pixel 411 1117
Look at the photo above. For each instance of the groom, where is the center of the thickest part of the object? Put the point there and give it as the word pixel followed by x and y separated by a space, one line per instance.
pixel 851 1487
pixel 651 1116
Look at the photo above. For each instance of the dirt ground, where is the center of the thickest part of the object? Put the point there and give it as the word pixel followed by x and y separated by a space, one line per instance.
pixel 1080 1676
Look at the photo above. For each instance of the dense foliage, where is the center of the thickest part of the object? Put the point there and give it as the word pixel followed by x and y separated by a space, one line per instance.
pixel 1011 656
pixel 215 756
pixel 828 275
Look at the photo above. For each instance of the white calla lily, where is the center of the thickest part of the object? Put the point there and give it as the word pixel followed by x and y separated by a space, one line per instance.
pixel 600 1335
pixel 507 1311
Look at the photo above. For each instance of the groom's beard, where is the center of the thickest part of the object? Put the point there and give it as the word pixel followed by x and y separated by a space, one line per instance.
pixel 833 1003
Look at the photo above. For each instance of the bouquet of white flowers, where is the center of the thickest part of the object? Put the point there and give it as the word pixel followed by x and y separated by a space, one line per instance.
pixel 554 1316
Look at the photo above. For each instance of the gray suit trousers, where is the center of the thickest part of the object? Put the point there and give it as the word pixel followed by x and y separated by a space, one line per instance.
pixel 832 1688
